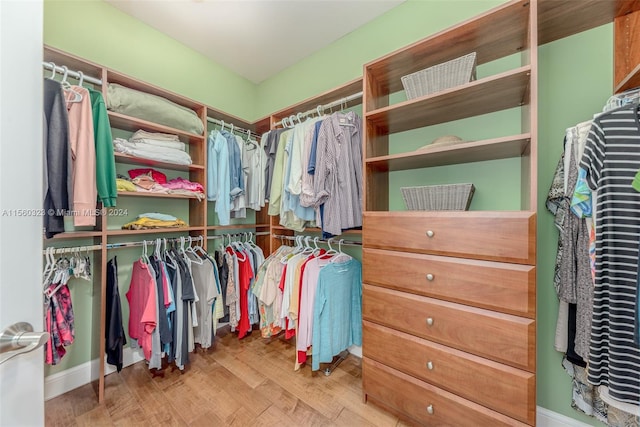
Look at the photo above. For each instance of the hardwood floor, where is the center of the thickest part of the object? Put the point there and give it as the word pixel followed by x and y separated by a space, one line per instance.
pixel 245 382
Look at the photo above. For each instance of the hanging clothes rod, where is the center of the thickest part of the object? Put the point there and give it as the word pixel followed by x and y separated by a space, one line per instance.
pixel 319 108
pixel 58 251
pixel 311 239
pixel 75 74
pixel 151 242
pixel 225 236
pixel 232 127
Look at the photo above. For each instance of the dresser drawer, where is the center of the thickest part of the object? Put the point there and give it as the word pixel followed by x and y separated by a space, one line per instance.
pixel 505 389
pixel 425 403
pixel 497 336
pixel 494 236
pixel 509 288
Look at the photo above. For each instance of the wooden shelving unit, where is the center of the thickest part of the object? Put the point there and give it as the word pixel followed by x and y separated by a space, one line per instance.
pixel 196 172
pixel 411 300
pixel 495 93
pixel 465 152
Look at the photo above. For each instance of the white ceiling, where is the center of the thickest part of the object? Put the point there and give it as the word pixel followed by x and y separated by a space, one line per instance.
pixel 255 38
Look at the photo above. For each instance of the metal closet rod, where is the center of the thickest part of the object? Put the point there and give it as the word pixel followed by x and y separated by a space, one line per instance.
pixel 311 238
pixel 316 110
pixel 142 242
pixel 232 127
pixel 58 251
pixel 75 74
pixel 244 234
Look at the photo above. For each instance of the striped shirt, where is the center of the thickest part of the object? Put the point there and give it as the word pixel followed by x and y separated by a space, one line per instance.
pixel 611 159
pixel 338 175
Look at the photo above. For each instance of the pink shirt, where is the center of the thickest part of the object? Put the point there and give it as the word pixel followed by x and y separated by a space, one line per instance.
pixel 307 298
pixel 142 306
pixel 83 153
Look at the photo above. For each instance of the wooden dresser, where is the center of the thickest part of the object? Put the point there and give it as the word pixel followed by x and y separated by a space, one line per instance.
pixel 449 297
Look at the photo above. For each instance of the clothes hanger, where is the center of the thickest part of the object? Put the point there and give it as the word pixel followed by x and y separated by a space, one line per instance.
pixel 232 128
pixel 49 267
pixel 77 97
pixel 169 258
pixel 317 249
pixel 199 248
pixel 81 78
pixel 192 251
pixel 320 110
pixel 53 71
pixel 331 250
pixel 340 254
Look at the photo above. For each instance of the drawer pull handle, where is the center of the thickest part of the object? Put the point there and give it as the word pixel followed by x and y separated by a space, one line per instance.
pixel 430 233
pixel 430 321
pixel 430 365
pixel 430 409
pixel 430 277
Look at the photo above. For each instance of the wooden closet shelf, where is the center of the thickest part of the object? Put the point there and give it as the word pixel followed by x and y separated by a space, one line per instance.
pixel 154 231
pixel 132 160
pixel 631 81
pixel 560 19
pixel 76 235
pixel 155 195
pixel 133 124
pixel 494 93
pixel 492 35
pixel 475 151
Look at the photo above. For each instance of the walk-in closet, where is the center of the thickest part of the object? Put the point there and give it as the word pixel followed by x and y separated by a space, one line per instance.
pixel 360 213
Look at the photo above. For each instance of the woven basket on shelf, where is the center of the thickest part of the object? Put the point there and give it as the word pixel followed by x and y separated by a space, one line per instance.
pixel 451 197
pixel 440 77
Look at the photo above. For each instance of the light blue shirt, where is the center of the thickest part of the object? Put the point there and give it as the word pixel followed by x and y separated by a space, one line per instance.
pixel 337 311
pixel 218 178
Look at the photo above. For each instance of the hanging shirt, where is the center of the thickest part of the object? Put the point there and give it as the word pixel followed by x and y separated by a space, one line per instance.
pixel 56 158
pixel 115 337
pixel 218 177
pixel 337 311
pixel 278 174
pixel 83 152
pixel 105 162
pixel 338 175
pixel 142 306
pixel 205 283
pixel 611 159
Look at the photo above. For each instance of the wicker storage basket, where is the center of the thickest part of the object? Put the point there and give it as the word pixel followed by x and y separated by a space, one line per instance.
pixel 452 197
pixel 440 77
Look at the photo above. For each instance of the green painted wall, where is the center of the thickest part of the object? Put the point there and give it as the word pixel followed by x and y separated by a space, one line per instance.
pixel 99 32
pixel 572 87
pixel 343 60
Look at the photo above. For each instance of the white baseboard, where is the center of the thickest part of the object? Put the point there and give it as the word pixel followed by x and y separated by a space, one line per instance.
pixel 65 381
pixel 547 418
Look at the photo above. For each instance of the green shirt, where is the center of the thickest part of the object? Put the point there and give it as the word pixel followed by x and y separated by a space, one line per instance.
pixel 105 162
pixel 636 182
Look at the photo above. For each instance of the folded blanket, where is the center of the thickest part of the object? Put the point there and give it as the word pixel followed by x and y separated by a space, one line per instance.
pixel 153 143
pixel 147 223
pixel 143 134
pixel 158 153
pixel 153 108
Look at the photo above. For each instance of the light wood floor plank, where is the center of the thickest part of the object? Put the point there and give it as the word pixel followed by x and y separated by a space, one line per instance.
pixel 248 382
